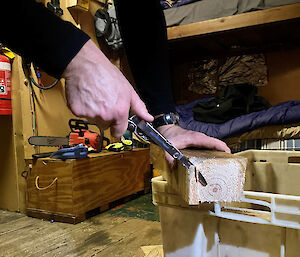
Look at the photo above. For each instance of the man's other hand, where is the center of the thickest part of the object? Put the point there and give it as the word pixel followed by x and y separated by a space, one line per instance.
pixel 182 138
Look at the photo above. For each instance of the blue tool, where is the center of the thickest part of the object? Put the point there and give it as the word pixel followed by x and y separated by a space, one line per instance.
pixel 76 152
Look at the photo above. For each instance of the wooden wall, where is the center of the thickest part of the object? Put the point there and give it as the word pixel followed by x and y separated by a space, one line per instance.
pixel 284 76
pixel 8 176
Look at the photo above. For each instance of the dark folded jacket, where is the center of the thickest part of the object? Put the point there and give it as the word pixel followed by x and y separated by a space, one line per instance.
pixel 231 102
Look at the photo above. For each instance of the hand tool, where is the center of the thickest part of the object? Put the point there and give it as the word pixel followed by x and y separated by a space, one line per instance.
pixel 76 152
pixel 147 131
pixel 80 134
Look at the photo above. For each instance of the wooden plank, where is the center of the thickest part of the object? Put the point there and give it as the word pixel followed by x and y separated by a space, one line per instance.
pixel 6 216
pixel 15 225
pixel 58 239
pixel 8 173
pixel 12 185
pixel 105 239
pixel 102 235
pixel 29 231
pixel 150 251
pixel 17 126
pixel 276 14
pixel 224 173
pixel 144 232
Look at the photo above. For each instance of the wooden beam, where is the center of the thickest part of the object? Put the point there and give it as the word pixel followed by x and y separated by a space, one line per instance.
pixel 150 251
pixel 250 19
pixel 224 173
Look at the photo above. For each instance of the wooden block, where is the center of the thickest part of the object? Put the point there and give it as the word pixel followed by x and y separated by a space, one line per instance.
pixel 150 251
pixel 224 173
pixel 85 184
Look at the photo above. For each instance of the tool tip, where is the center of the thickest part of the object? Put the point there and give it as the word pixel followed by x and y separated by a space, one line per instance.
pixel 202 180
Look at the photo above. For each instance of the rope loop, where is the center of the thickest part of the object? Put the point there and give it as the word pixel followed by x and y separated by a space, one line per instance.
pixel 44 188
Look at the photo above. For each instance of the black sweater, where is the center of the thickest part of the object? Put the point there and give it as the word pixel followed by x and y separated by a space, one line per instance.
pixel 32 31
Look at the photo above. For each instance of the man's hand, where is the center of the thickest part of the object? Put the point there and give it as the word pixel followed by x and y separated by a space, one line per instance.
pixel 182 138
pixel 97 90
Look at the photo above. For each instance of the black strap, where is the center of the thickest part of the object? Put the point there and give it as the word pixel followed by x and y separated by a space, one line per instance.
pixel 105 5
pixel 103 14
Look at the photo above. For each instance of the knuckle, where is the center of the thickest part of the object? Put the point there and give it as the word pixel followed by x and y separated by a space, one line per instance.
pixel 106 115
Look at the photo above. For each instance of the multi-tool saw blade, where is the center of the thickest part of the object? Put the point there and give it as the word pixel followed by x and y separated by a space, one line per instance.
pixel 146 129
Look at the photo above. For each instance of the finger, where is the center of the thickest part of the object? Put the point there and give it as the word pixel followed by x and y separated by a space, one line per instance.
pixel 138 107
pixel 101 124
pixel 209 142
pixel 198 139
pixel 118 128
pixel 217 144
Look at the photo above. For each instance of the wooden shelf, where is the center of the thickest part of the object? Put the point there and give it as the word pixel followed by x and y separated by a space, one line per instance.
pixel 277 14
pixel 259 29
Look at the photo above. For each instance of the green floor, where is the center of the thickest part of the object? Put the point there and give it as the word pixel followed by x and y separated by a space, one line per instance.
pixel 141 207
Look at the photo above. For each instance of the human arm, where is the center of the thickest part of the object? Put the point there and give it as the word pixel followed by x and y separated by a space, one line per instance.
pixel 147 53
pixel 95 88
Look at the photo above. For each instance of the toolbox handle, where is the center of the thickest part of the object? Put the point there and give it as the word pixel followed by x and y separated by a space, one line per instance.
pixel 44 188
pixel 77 125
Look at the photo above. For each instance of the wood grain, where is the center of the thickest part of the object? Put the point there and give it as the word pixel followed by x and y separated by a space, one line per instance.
pixel 150 251
pixel 58 198
pixel 102 235
pixel 224 173
pixel 283 69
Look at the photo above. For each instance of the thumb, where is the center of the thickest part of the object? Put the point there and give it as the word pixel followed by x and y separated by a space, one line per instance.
pixel 138 107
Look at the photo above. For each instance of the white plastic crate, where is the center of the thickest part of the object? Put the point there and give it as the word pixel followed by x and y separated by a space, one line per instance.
pixel 264 223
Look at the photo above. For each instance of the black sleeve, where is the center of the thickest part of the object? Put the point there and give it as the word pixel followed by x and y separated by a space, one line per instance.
pixel 32 31
pixel 145 41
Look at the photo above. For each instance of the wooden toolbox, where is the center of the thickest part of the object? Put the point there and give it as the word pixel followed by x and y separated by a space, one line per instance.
pixel 67 190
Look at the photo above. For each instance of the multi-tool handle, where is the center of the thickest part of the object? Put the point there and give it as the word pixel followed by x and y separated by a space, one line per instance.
pixel 135 124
